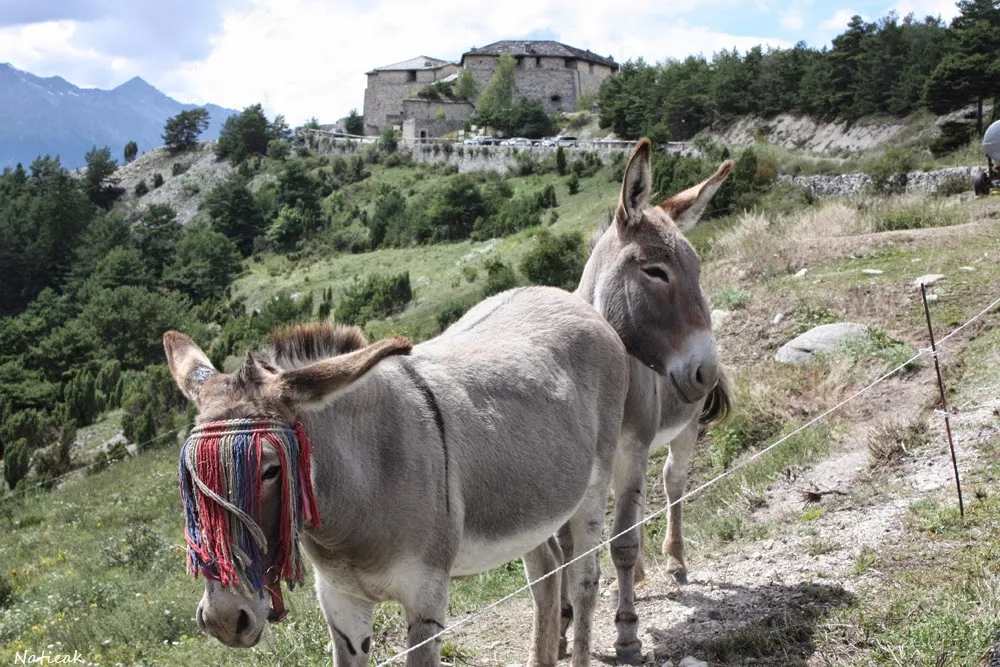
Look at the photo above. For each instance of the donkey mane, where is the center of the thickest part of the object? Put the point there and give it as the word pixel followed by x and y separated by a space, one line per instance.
pixel 293 347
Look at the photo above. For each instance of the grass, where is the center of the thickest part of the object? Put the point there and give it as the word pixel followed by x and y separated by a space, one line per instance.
pixel 439 274
pixel 730 298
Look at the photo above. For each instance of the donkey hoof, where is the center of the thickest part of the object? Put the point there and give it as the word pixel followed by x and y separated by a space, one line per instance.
pixel 629 655
pixel 681 577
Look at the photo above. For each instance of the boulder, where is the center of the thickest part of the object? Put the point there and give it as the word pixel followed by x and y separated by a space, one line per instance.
pixel 927 279
pixel 691 661
pixel 826 337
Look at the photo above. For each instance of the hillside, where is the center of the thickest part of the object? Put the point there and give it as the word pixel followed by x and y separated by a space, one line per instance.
pixel 774 581
pixel 51 116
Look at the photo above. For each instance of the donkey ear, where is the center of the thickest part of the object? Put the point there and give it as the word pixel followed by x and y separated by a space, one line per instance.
pixel 686 208
pixel 636 185
pixel 188 364
pixel 316 384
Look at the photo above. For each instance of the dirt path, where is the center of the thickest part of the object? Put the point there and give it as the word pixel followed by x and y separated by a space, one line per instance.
pixel 761 599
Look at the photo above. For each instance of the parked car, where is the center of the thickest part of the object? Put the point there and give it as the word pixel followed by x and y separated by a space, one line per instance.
pixel 520 141
pixel 561 140
pixel 483 140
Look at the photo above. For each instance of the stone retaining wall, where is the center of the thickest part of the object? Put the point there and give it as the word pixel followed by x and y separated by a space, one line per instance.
pixel 922 182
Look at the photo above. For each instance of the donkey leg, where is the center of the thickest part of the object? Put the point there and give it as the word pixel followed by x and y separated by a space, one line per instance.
pixel 545 636
pixel 674 481
pixel 350 622
pixel 426 612
pixel 586 526
pixel 565 540
pixel 630 489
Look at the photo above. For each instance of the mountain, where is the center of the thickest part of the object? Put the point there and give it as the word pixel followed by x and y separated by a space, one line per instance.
pixel 51 115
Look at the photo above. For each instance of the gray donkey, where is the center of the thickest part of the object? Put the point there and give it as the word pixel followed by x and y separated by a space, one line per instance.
pixel 643 277
pixel 446 459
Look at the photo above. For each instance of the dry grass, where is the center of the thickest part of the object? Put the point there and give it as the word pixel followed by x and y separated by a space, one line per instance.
pixel 775 245
pixel 892 441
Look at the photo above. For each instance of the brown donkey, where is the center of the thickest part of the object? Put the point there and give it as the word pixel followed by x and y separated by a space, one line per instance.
pixel 643 277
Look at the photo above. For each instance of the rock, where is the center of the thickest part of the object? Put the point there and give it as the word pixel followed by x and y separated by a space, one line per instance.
pixel 823 338
pixel 778 318
pixel 932 297
pixel 966 268
pixel 649 658
pixel 692 661
pixel 872 272
pixel 916 259
pixel 668 663
pixel 802 273
pixel 928 279
pixel 715 614
pixel 719 317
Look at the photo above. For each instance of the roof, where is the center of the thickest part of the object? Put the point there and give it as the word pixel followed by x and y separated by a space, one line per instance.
pixel 420 62
pixel 539 48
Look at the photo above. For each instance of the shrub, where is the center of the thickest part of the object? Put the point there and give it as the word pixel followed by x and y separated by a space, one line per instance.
pixel 547 197
pixel 953 184
pixel 555 259
pixel 375 297
pixel 889 172
pixel 131 151
pixel 157 179
pixel 6 591
pixel 589 164
pixel 16 461
pixel 137 549
pixel 278 149
pixel 573 183
pixel 388 142
pixel 80 396
pixel 500 277
pixel 178 168
pixel 514 215
pixel 451 313
pixel 561 161
pixel 141 189
pixel 730 298
pixel 954 135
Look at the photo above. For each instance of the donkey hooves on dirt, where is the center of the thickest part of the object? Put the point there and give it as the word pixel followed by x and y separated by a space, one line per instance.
pixel 631 655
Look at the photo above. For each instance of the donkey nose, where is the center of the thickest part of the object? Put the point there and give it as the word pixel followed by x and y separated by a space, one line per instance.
pixel 705 376
pixel 232 627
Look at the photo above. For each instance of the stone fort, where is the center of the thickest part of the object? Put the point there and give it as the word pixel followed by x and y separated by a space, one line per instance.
pixel 551 72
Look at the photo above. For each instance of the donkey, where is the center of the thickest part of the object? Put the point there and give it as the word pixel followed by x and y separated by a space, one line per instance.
pixel 428 462
pixel 643 277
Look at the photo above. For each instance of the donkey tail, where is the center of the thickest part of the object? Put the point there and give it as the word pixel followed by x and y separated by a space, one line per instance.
pixel 720 404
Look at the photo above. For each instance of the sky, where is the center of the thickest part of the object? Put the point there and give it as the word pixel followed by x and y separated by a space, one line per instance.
pixel 306 58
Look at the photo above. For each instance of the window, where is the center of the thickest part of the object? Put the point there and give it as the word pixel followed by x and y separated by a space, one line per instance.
pixel 538 61
pixel 411 75
pixel 555 98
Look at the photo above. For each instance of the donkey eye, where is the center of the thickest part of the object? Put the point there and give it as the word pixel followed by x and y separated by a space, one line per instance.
pixel 656 272
pixel 271 472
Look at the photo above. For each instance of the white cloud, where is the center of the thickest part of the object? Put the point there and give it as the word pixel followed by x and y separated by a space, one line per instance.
pixel 839 20
pixel 305 58
pixel 791 19
pixel 308 57
pixel 946 9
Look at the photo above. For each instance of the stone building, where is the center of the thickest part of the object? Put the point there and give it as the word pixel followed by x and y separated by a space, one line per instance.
pixel 388 86
pixel 552 72
pixel 424 119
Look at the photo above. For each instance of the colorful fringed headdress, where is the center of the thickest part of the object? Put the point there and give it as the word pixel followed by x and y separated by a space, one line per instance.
pixel 220 479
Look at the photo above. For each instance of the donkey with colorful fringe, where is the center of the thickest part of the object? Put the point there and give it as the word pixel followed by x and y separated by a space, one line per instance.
pixel 444 459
